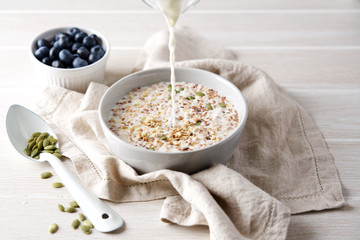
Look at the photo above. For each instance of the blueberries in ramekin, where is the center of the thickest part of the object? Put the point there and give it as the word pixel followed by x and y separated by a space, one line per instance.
pixel 41 53
pixel 72 48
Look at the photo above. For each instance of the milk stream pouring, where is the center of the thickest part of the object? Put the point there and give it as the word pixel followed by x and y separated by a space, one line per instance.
pixel 171 10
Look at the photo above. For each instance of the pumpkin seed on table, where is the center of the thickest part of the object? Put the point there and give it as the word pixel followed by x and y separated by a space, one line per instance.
pixel 208 105
pixel 198 123
pixel 57 185
pixel 82 217
pixel 88 223
pixel 61 208
pixel 70 209
pixel 201 94
pixel 45 175
pixel 53 228
pixel 75 224
pixel 74 204
pixel 85 229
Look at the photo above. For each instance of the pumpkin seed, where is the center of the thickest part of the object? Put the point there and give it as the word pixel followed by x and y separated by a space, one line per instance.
pixel 75 224
pixel 85 229
pixel 208 105
pixel 37 157
pixel 182 89
pixel 176 91
pixel 169 97
pixel 53 228
pixel 50 147
pixel 31 145
pixel 70 209
pixel 88 223
pixel 46 142
pixel 192 97
pixel 200 94
pixel 47 151
pixel 61 208
pixel 44 134
pixel 52 140
pixel 198 123
pixel 163 138
pixel 27 152
pixel 34 147
pixel 82 217
pixel 34 152
pixel 57 150
pixel 74 204
pixel 35 134
pixel 152 149
pixel 57 185
pixel 45 175
pixel 223 105
pixel 58 155
pixel 40 144
pixel 39 139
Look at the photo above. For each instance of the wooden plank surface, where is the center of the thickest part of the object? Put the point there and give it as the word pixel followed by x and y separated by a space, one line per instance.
pixel 311 48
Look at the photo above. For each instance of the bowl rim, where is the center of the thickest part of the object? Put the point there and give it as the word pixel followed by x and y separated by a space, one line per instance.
pixel 143 150
pixel 104 39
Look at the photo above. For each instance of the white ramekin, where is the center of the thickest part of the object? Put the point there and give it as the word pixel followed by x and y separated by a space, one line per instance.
pixel 77 79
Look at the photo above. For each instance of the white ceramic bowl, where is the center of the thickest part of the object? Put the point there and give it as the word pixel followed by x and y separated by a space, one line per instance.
pixel 143 160
pixel 77 79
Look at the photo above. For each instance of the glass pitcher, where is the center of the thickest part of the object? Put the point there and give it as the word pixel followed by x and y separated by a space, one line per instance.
pixel 183 5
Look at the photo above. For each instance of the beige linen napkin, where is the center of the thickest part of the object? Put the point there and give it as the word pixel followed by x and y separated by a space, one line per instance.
pixel 282 152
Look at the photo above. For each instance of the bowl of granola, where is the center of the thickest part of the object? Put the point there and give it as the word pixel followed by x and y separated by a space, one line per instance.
pixel 186 126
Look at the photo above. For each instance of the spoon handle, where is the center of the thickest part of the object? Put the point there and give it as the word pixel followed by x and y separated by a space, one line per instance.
pixel 100 214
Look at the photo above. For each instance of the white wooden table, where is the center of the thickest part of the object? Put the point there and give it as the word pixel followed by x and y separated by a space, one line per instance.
pixel 310 47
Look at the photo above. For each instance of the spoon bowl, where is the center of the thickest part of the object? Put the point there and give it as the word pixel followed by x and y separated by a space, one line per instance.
pixel 21 123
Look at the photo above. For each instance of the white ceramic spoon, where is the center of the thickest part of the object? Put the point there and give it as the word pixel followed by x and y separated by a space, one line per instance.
pixel 21 123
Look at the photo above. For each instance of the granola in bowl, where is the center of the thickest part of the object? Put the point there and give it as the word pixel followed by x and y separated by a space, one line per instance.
pixel 143 117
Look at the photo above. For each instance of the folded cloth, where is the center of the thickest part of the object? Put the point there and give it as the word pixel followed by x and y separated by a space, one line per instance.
pixel 282 164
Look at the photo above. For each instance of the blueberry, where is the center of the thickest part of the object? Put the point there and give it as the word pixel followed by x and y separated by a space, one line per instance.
pixel 79 37
pixel 64 42
pixel 65 56
pixel 73 31
pixel 93 57
pixel 83 52
pixel 54 53
pixel 42 42
pixel 46 60
pixel 60 35
pixel 89 42
pixel 78 62
pixel 57 64
pixel 56 44
pixel 41 52
pixel 75 47
pixel 98 49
